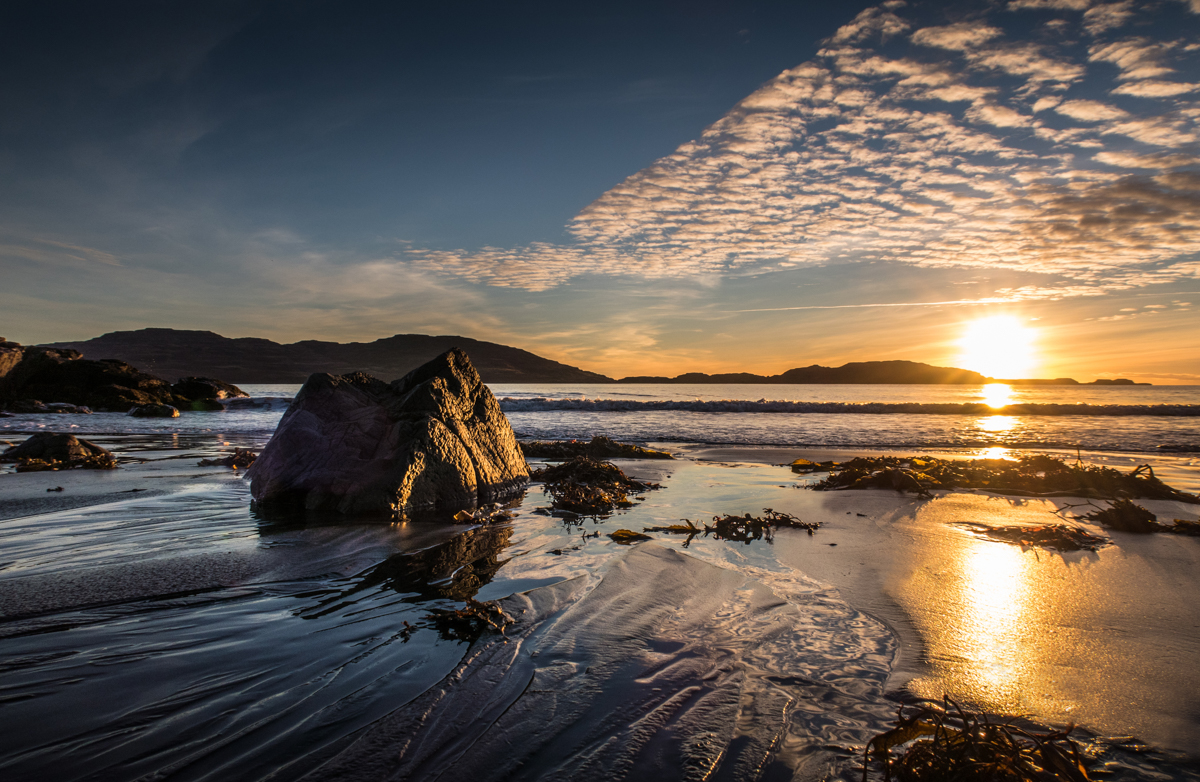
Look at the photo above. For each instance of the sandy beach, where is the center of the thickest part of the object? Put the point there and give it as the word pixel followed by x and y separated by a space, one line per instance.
pixel 277 652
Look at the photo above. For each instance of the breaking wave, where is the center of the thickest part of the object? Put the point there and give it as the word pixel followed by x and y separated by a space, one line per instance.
pixel 548 404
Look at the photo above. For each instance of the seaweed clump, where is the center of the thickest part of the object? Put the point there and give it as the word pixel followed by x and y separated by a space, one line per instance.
pixel 467 623
pixel 943 742
pixel 743 528
pixel 1059 537
pixel 588 487
pixel 1031 476
pixel 240 459
pixel 599 447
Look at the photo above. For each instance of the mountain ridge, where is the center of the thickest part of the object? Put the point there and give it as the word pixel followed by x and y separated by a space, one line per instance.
pixel 172 353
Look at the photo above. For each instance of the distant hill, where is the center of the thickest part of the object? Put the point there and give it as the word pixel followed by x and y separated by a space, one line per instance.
pixel 174 353
pixel 858 372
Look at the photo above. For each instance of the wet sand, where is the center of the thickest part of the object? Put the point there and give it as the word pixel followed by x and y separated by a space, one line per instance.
pixel 243 649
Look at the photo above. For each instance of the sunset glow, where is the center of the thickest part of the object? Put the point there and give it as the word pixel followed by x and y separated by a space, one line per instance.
pixel 999 346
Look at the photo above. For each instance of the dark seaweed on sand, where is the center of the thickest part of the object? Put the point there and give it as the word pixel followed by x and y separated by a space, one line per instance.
pixel 1059 537
pixel 589 487
pixel 936 742
pixel 743 528
pixel 1036 476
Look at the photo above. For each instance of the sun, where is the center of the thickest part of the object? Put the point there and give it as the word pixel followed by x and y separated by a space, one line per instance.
pixel 1000 346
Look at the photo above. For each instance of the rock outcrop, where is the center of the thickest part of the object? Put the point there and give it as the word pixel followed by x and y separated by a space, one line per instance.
pixel 154 411
pixel 60 375
pixel 355 444
pixel 52 451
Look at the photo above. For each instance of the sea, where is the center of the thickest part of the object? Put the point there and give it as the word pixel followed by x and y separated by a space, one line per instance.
pixel 152 626
pixel 1127 419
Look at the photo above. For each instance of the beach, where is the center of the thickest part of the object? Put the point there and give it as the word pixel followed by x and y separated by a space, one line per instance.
pixel 152 625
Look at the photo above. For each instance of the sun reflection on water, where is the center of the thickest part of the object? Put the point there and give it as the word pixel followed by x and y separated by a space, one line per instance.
pixel 997 394
pixel 998 423
pixel 992 630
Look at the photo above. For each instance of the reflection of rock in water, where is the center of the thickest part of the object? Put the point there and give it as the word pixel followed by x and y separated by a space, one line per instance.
pixel 454 570
pixel 669 668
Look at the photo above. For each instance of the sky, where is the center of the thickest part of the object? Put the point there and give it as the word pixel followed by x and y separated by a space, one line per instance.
pixel 632 188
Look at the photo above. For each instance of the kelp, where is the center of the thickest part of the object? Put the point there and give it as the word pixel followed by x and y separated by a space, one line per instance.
pixel 104 461
pixel 1125 516
pixel 627 536
pixel 589 487
pixel 1058 537
pixel 240 459
pixel 1036 476
pixel 743 529
pixel 945 743
pixel 467 623
pixel 599 447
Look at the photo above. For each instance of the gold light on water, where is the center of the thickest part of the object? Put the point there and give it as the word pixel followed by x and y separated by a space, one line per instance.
pixel 997 394
pixel 999 346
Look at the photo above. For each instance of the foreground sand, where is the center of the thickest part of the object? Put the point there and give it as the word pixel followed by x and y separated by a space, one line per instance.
pixel 672 654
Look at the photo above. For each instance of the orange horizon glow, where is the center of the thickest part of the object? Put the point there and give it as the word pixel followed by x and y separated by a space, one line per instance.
pixel 1000 346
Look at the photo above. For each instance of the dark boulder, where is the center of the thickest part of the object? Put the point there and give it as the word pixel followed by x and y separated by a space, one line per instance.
pixel 51 451
pixel 64 376
pixel 154 411
pixel 201 388
pixel 355 444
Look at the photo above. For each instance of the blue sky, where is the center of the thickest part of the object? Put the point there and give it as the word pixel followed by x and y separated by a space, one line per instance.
pixel 633 189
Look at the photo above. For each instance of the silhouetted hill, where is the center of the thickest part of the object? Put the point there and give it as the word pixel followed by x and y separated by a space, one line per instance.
pixel 858 372
pixel 174 353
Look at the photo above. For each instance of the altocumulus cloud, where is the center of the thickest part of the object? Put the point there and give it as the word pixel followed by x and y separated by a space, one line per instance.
pixel 1068 150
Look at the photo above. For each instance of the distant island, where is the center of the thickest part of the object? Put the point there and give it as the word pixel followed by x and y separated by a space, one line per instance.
pixel 871 372
pixel 173 353
pixel 176 353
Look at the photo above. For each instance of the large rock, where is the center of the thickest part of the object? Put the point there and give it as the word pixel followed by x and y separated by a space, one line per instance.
pixel 355 444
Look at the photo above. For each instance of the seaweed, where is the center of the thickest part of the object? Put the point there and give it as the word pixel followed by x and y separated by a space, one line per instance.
pixel 589 487
pixel 467 623
pixel 627 536
pixel 1036 476
pixel 743 529
pixel 239 459
pixel 944 742
pixel 1125 516
pixel 1059 537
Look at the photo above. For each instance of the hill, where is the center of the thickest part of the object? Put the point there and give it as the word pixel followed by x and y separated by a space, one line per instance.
pixel 175 353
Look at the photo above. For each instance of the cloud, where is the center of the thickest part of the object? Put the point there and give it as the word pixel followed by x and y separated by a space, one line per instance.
pixel 1155 89
pixel 957 37
pixel 947 156
pixel 1109 16
pixel 1090 111
pixel 1043 5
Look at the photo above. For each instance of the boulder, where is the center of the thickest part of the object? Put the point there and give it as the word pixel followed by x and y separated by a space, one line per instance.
pixel 51 451
pixel 355 444
pixel 64 376
pixel 154 411
pixel 201 388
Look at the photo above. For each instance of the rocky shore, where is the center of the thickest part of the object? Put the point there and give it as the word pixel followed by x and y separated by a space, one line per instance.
pixel 60 380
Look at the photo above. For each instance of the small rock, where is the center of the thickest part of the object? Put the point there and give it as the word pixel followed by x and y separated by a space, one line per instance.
pixel 52 451
pixel 154 411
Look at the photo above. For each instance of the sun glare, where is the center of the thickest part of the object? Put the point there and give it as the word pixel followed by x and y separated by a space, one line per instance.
pixel 999 346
